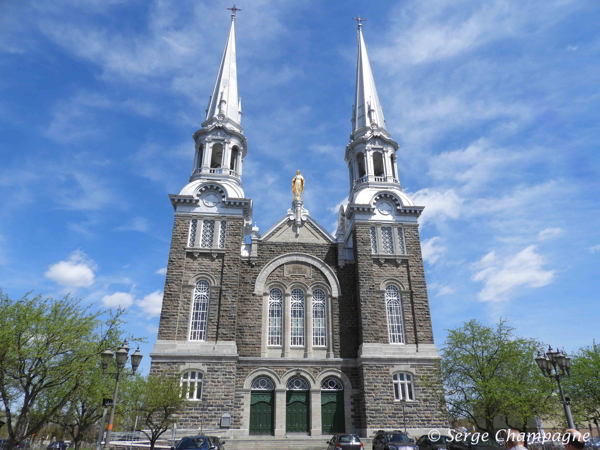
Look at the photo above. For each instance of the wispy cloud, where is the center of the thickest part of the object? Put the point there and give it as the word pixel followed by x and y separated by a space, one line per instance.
pixel 432 250
pixel 550 233
pixel 594 249
pixel 136 224
pixel 503 277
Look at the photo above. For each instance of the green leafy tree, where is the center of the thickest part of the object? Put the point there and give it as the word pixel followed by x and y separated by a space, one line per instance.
pixel 583 385
pixel 158 401
pixel 490 373
pixel 46 349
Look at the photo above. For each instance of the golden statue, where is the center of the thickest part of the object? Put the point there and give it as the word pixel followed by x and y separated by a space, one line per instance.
pixel 298 185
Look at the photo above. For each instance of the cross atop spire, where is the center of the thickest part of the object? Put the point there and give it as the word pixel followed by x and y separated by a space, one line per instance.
pixel 233 11
pixel 359 20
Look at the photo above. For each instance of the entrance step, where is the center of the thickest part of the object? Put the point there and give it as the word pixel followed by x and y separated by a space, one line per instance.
pixel 283 443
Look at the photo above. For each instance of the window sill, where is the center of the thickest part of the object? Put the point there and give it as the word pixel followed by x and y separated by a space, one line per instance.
pixel 382 257
pixel 196 251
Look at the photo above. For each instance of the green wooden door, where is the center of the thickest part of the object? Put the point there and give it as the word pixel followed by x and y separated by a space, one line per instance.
pixel 332 412
pixel 297 412
pixel 261 412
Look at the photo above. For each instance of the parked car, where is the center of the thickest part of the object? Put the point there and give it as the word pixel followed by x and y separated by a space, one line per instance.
pixel 425 443
pixel 195 443
pixel 393 440
pixel 471 443
pixel 58 445
pixel 217 442
pixel 345 442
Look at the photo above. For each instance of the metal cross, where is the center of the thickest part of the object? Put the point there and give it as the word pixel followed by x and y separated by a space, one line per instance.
pixel 233 11
pixel 359 20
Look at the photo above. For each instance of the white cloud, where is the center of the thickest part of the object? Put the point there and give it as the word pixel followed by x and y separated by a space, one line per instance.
pixel 441 289
pixel 161 271
pixel 77 271
pixel 439 205
pixel 336 209
pixel 136 224
pixel 431 250
pixel 549 233
pixel 594 249
pixel 327 149
pixel 502 278
pixel 151 304
pixel 118 299
pixel 571 48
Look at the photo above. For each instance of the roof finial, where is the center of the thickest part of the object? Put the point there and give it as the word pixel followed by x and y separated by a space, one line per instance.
pixel 359 20
pixel 233 11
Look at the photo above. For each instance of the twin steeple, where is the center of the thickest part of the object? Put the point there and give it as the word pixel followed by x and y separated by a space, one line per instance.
pixel 367 109
pixel 224 100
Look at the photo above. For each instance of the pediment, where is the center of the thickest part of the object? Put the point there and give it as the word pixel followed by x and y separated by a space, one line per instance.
pixel 309 233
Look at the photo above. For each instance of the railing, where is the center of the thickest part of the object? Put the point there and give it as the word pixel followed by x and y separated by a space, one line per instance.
pixel 361 180
pixel 380 179
pixel 217 170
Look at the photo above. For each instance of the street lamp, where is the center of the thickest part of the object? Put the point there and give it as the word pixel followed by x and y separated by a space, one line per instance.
pixel 121 357
pixel 550 363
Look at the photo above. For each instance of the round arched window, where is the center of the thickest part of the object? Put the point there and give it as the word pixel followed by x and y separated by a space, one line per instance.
pixel 332 384
pixel 263 384
pixel 297 384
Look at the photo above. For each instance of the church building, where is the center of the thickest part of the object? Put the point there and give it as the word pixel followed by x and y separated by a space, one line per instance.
pixel 294 331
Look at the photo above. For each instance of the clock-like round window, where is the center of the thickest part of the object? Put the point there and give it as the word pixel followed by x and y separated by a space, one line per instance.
pixel 385 208
pixel 211 199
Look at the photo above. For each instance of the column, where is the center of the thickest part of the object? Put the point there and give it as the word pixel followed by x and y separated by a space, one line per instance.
pixel 387 160
pixel 287 324
pixel 264 348
pixel 198 240
pixel 280 404
pixel 216 233
pixel 225 156
pixel 207 156
pixel 329 311
pixel 308 313
pixel 315 411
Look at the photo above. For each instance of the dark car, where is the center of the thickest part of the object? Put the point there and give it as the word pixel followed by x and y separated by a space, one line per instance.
pixel 426 443
pixel 346 442
pixel 217 442
pixel 470 443
pixel 58 445
pixel 195 443
pixel 393 440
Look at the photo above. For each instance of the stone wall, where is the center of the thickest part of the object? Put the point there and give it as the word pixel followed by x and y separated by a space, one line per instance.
pixel 218 395
pixel 382 411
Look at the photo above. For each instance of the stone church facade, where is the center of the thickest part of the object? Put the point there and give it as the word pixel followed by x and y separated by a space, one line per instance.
pixel 295 330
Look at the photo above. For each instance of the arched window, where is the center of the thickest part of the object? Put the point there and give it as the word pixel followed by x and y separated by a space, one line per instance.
pixel 297 310
pixel 297 384
pixel 217 156
pixel 360 160
pixel 275 316
pixel 233 161
pixel 200 156
pixel 378 169
pixel 319 318
pixel 331 384
pixel 393 303
pixel 263 384
pixel 191 383
pixel 200 311
pixel 403 387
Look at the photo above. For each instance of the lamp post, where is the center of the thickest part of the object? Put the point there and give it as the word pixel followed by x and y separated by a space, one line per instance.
pixel 121 357
pixel 550 363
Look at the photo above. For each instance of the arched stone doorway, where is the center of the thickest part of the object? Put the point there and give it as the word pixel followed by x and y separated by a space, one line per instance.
pixel 332 406
pixel 262 406
pixel 297 406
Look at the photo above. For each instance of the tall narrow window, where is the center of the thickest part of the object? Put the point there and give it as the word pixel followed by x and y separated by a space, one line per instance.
pixel 193 228
pixel 200 311
pixel 275 316
pixel 387 240
pixel 401 243
pixel 360 160
pixel 200 156
pixel 378 169
pixel 217 156
pixel 222 233
pixel 319 318
pixel 233 161
pixel 373 240
pixel 297 310
pixel 394 166
pixel 403 387
pixel 208 231
pixel 191 385
pixel 393 303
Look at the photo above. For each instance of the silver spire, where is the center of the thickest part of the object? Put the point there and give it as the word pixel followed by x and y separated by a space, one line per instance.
pixel 367 109
pixel 224 100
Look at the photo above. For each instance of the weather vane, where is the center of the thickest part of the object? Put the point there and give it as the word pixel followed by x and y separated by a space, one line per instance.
pixel 233 11
pixel 359 20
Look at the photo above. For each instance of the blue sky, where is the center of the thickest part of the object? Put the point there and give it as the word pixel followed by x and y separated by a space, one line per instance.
pixel 495 106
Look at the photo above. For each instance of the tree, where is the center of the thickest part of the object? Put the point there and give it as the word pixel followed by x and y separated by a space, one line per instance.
pixel 490 373
pixel 158 401
pixel 583 385
pixel 46 349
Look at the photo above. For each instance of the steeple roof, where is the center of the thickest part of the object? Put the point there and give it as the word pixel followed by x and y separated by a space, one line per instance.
pixel 367 109
pixel 224 99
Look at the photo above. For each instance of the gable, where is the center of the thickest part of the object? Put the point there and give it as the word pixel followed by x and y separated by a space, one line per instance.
pixel 309 234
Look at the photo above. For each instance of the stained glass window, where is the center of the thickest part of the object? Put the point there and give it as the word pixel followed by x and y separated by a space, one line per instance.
pixel 200 311
pixel 297 310
pixel 393 303
pixel 275 316
pixel 319 318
